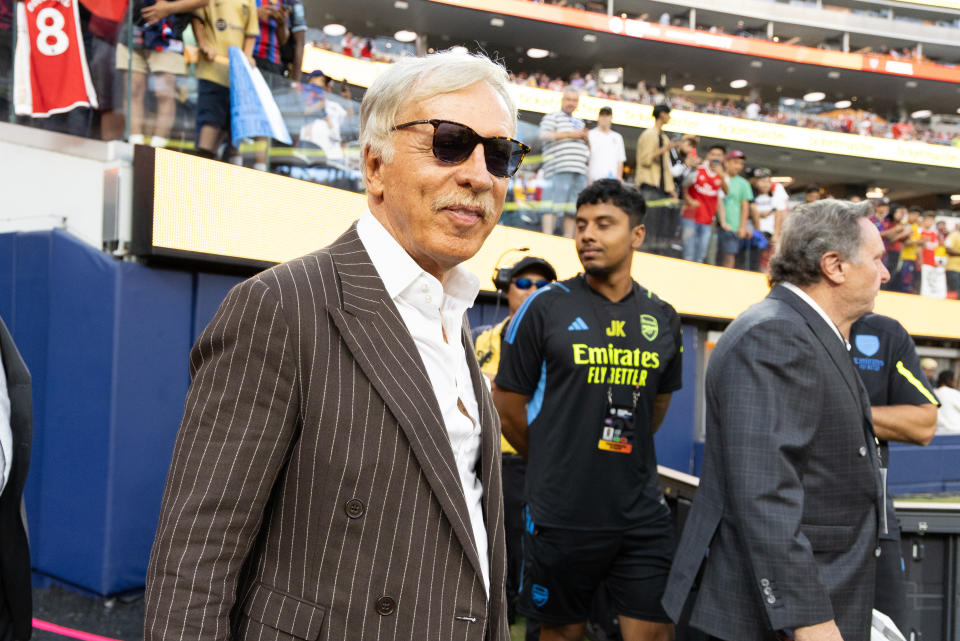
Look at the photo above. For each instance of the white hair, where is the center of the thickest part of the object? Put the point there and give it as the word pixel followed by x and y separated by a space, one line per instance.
pixel 415 79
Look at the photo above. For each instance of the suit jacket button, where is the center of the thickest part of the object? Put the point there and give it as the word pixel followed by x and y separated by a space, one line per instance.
pixel 355 508
pixel 862 451
pixel 771 599
pixel 765 582
pixel 386 606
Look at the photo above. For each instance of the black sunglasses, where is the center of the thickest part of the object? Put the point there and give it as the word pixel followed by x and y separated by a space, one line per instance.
pixel 453 143
pixel 526 283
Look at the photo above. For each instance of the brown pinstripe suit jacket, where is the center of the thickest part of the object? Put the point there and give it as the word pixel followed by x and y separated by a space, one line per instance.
pixel 313 492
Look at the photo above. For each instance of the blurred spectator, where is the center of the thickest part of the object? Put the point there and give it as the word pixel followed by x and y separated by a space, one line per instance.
pixel 217 27
pixel 909 281
pixel 952 247
pixel 753 110
pixel 155 58
pixel 769 209
pixel 933 259
pixel 273 34
pixel 702 204
pixel 929 367
pixel 811 194
pixel 6 57
pixel 653 159
pixel 607 153
pixel 683 159
pixel 894 230
pixel 291 53
pixel 736 210
pixel 565 157
pixel 324 127
pixel 948 417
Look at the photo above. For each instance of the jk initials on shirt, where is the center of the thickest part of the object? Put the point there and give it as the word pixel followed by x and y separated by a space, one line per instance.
pixel 616 328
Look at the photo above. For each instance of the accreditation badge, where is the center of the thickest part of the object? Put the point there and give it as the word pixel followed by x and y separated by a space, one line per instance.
pixel 617 433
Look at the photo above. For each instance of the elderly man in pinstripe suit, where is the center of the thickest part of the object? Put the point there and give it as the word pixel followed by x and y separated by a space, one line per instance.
pixel 337 471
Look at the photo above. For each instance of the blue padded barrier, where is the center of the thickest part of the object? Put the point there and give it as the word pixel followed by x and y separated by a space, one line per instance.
pixel 106 343
pixel 931 469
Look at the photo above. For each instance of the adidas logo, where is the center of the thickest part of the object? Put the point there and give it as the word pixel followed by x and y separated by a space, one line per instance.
pixel 578 325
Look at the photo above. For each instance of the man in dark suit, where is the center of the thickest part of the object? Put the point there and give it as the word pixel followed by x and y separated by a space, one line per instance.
pixel 782 536
pixel 337 470
pixel 16 430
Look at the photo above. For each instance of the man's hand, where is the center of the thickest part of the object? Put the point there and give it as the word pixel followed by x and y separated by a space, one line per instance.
pixel 827 631
pixel 155 12
pixel 264 12
pixel 583 134
pixel 208 51
pixel 743 232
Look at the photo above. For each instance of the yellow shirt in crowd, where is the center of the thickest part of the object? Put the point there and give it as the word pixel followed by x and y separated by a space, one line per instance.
pixel 953 242
pixel 910 251
pixel 488 354
pixel 226 23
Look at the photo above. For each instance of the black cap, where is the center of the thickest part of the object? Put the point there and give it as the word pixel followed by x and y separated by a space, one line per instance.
pixel 605 111
pixel 812 188
pixel 532 262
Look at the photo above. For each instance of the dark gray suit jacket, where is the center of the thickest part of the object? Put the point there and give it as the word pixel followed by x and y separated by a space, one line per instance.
pixel 14 550
pixel 313 492
pixel 783 528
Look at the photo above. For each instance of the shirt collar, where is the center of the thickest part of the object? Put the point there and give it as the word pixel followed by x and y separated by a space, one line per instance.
pixel 399 271
pixel 805 297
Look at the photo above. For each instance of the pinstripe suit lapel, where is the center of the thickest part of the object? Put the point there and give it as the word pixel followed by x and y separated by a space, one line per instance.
pixel 373 331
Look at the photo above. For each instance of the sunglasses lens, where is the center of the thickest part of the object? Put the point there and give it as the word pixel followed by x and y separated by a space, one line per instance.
pixel 523 283
pixel 542 283
pixel 454 143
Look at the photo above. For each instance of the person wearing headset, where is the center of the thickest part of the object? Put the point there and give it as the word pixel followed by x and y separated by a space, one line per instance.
pixel 517 282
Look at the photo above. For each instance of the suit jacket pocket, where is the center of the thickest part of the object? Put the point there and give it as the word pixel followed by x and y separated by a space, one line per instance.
pixel 284 612
pixel 829 538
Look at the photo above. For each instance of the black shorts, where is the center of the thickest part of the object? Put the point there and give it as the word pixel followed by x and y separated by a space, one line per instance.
pixel 562 569
pixel 213 105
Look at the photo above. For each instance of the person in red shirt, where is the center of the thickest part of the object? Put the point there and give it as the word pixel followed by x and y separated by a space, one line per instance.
pixel 929 239
pixel 702 204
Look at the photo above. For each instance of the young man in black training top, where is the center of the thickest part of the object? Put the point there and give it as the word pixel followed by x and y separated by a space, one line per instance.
pixel 904 409
pixel 585 379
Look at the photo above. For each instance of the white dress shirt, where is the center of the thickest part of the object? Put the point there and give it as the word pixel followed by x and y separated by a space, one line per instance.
pixel 431 310
pixel 6 433
pixel 816 307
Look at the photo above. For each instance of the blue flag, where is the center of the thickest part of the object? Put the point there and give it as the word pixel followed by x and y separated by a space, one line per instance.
pixel 253 111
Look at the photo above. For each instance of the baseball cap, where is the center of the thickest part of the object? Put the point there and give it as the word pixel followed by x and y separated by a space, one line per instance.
pixel 534 263
pixel 883 200
pixel 761 172
pixel 736 153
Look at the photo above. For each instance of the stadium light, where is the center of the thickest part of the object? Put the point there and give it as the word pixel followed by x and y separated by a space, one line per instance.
pixel 496 22
pixel 689 87
pixel 533 52
pixel 405 35
pixel 401 4
pixel 739 83
pixel 814 96
pixel 842 104
pixel 921 114
pixel 954 199
pixel 334 30
pixel 589 37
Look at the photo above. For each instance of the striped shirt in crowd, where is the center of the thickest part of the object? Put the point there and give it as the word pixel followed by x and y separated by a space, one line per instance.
pixel 569 154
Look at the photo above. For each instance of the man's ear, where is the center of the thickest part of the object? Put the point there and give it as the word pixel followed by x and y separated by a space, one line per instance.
pixel 374 166
pixel 833 268
pixel 638 233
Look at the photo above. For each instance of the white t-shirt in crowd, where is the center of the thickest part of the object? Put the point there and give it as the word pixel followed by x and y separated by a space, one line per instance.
pixel 777 201
pixel 606 151
pixel 948 416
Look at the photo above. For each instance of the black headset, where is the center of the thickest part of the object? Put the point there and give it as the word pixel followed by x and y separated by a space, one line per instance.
pixel 502 275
